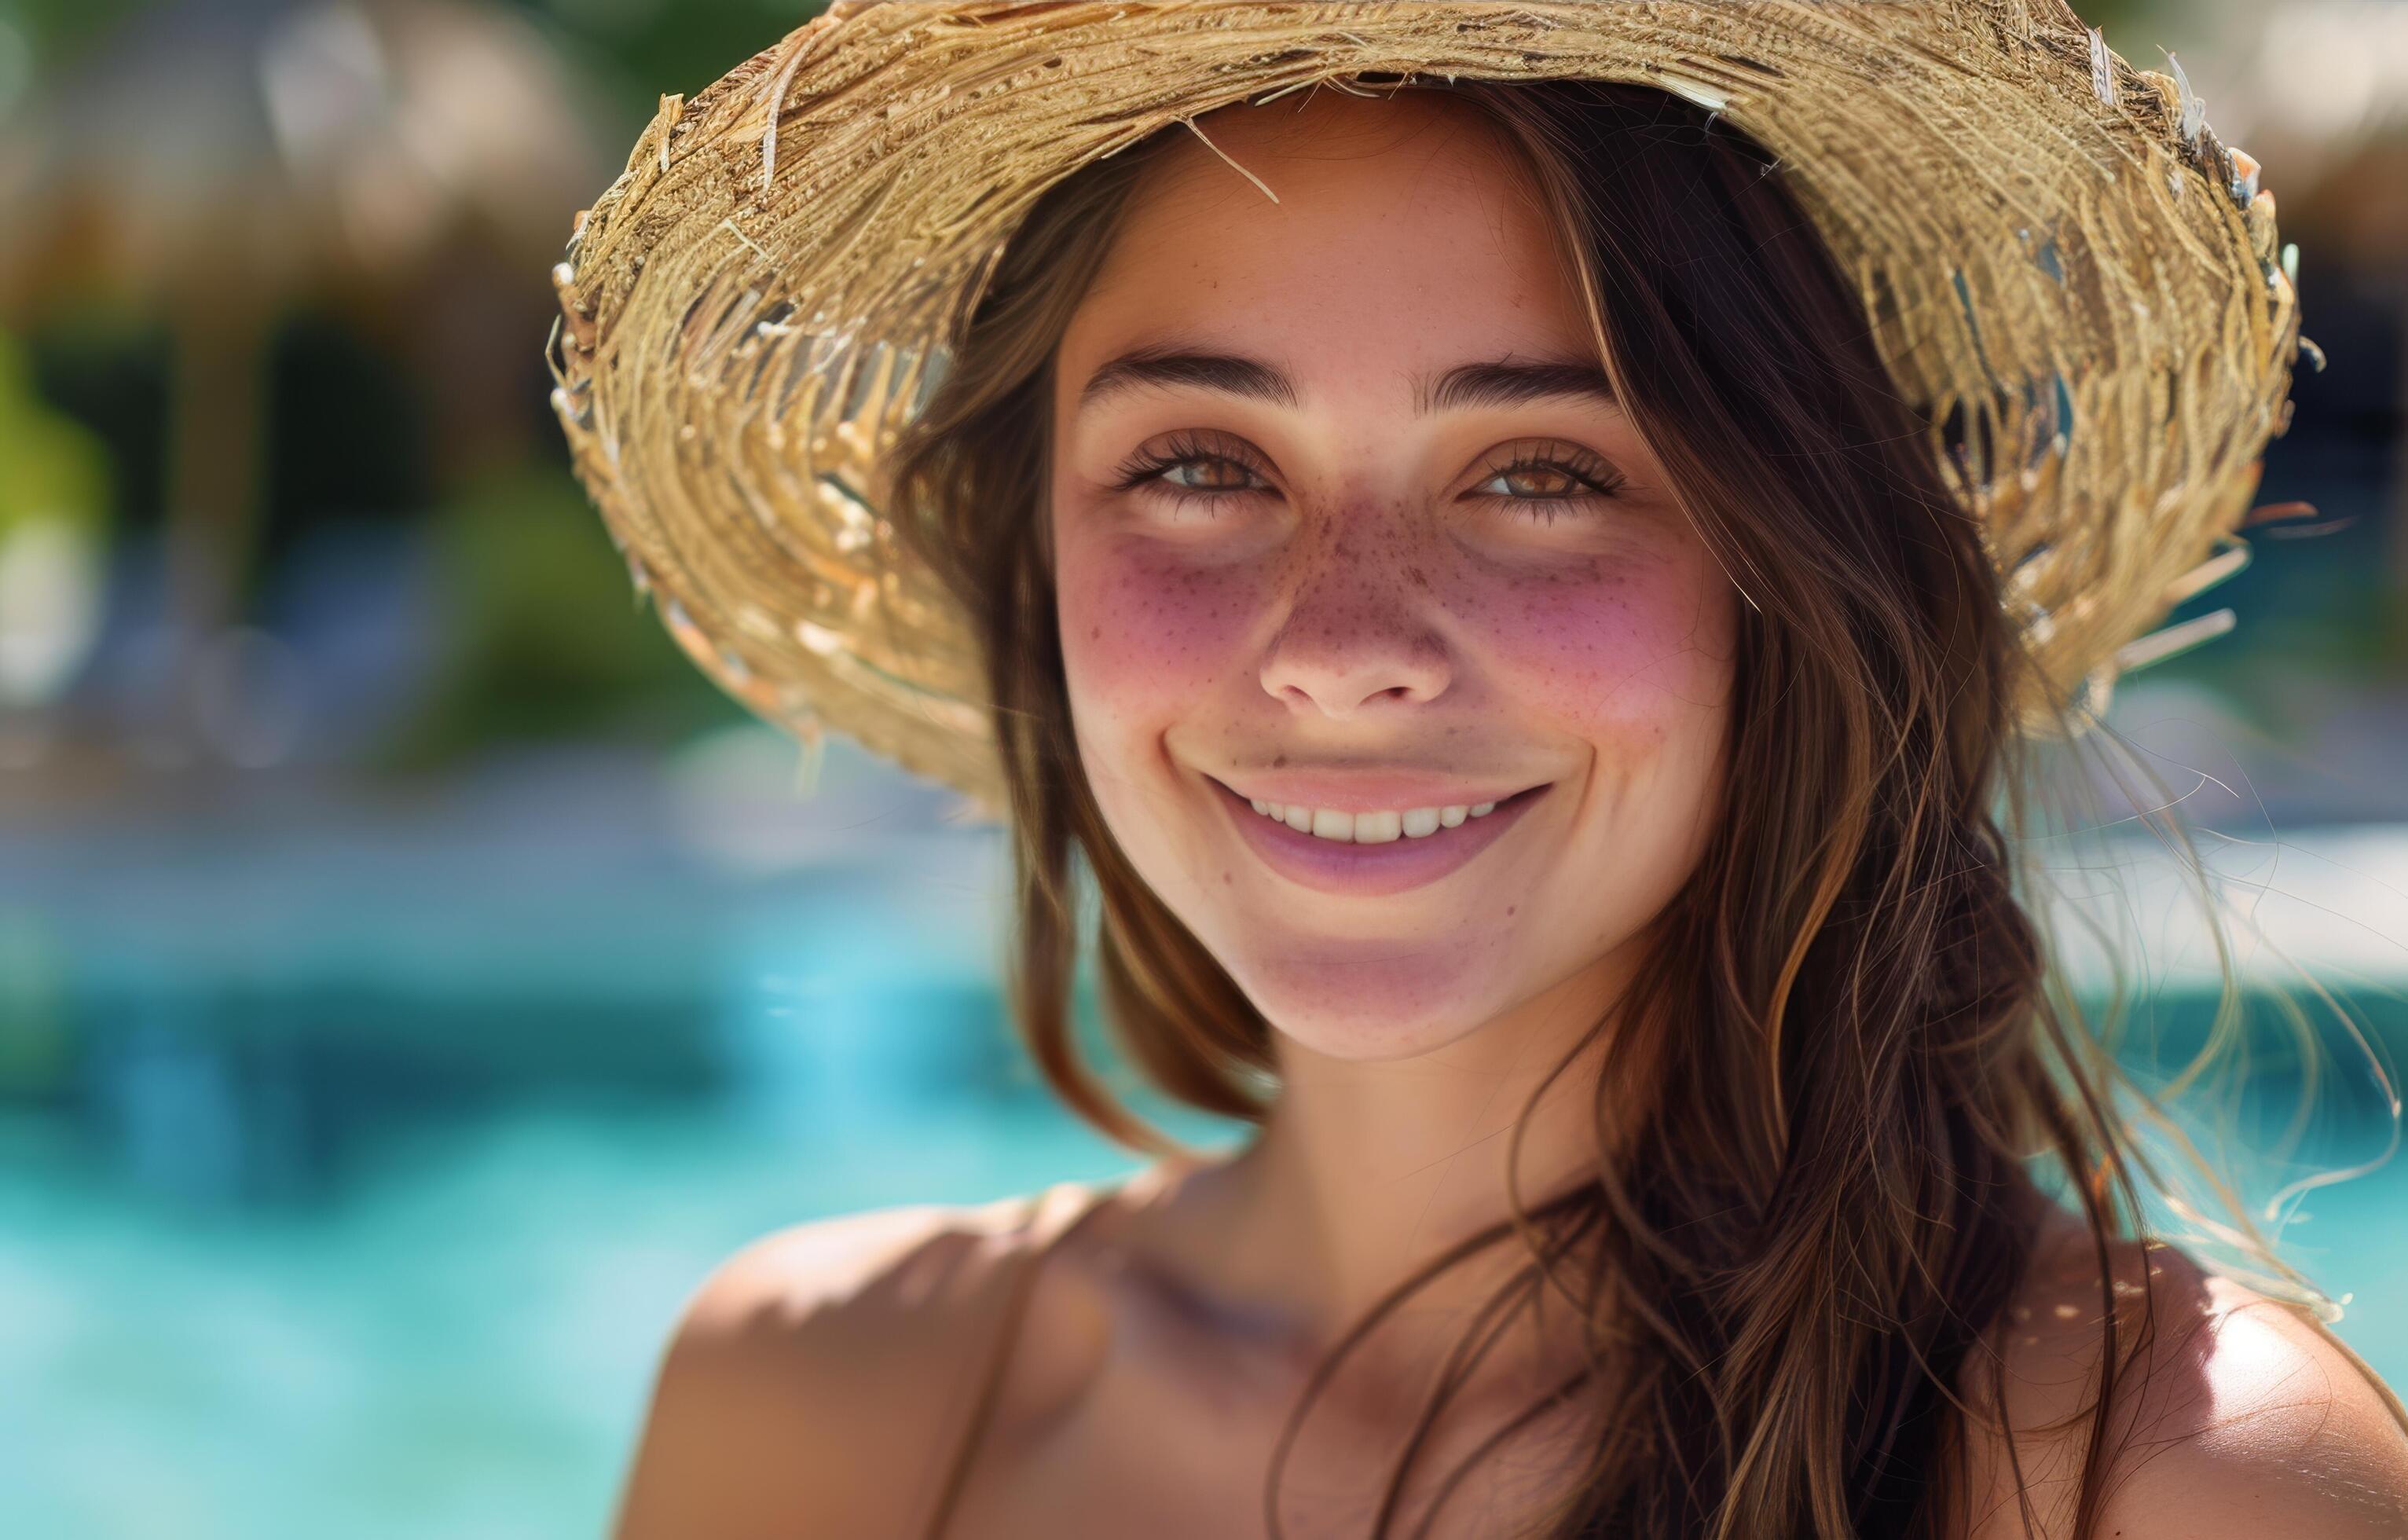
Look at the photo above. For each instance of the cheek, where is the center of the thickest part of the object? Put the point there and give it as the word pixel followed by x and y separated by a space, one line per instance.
pixel 1638 652
pixel 1143 636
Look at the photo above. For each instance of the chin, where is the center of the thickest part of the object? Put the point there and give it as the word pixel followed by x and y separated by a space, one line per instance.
pixel 1371 1001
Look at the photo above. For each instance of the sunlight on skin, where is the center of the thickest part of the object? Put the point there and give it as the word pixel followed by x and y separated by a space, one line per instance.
pixel 1374 587
pixel 1370 604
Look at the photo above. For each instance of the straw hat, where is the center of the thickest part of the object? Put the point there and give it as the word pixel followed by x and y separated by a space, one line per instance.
pixel 2075 280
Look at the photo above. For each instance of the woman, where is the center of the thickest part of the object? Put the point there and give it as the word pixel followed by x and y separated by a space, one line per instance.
pixel 1454 565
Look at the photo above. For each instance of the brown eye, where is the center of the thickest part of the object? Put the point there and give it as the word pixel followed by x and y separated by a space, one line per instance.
pixel 1547 481
pixel 1230 475
pixel 1190 472
pixel 1552 484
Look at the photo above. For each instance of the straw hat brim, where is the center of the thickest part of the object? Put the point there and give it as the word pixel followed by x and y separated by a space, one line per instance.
pixel 2063 267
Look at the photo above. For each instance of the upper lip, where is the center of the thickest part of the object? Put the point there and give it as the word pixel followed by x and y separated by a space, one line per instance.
pixel 1372 790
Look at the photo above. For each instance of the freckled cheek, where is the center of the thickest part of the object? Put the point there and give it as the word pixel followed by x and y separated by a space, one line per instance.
pixel 1144 638
pixel 1637 661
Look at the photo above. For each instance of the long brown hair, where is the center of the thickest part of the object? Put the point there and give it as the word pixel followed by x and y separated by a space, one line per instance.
pixel 1853 1035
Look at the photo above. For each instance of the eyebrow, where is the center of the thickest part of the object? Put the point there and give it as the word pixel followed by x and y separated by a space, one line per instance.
pixel 1497 382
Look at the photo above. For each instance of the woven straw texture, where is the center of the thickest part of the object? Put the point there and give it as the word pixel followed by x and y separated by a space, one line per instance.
pixel 2073 278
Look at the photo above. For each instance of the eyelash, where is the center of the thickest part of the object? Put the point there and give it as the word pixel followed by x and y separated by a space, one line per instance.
pixel 1601 480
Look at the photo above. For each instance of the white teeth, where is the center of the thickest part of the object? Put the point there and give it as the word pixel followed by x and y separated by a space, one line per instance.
pixel 1369 828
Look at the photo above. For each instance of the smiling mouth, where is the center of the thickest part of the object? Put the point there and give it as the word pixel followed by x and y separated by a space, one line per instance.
pixel 1424 823
pixel 1378 867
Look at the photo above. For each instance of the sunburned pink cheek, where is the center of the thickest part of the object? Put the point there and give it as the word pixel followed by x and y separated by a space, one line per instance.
pixel 1142 634
pixel 1613 646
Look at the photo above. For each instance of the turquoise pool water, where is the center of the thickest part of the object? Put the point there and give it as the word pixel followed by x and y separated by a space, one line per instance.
pixel 347 1184
pixel 458 1343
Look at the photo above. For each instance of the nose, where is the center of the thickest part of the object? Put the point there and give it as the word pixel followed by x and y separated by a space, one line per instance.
pixel 1357 634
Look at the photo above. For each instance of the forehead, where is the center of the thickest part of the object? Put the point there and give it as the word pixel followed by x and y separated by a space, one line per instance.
pixel 1403 227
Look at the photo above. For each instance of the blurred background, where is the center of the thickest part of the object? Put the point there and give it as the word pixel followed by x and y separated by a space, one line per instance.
pixel 414 976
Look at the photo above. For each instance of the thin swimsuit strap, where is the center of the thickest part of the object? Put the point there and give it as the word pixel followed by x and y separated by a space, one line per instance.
pixel 1066 1218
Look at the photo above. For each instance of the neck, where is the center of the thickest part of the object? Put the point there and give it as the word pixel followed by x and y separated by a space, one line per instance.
pixel 1367 1173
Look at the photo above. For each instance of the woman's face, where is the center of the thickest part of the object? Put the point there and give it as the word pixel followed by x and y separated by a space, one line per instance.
pixel 1341 521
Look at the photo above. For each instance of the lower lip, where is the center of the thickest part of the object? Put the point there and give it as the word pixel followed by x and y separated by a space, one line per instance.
pixel 1373 871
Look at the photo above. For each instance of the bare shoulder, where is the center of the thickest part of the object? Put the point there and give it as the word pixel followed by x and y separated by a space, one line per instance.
pixel 2235 1413
pixel 795 1393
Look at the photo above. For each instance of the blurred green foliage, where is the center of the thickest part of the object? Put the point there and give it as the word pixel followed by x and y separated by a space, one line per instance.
pixel 54 29
pixel 545 638
pixel 51 468
pixel 634 50
pixel 639 49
